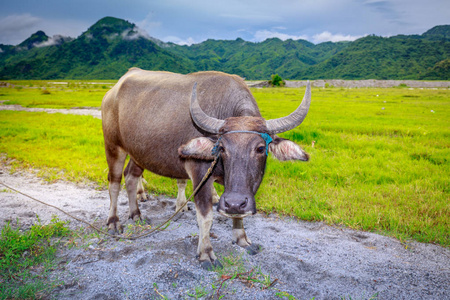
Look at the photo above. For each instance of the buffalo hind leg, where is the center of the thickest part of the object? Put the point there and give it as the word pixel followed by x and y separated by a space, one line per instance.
pixel 133 176
pixel 116 160
pixel 181 197
pixel 215 196
pixel 140 195
pixel 240 237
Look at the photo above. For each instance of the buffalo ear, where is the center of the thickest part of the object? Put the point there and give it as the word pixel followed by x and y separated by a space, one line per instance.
pixel 284 149
pixel 198 148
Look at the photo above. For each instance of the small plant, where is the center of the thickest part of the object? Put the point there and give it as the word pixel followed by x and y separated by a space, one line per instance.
pixel 286 295
pixel 277 80
pixel 45 92
pixel 20 252
pixel 199 292
pixel 403 85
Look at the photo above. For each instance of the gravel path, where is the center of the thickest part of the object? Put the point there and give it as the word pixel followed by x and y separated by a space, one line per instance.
pixel 306 259
pixel 95 112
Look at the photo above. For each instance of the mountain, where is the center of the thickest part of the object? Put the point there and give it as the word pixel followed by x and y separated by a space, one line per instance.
pixel 257 60
pixel 111 46
pixel 105 51
pixel 36 38
pixel 398 57
pixel 441 32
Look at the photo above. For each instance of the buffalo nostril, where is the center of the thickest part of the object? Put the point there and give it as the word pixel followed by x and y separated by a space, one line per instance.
pixel 226 204
pixel 243 205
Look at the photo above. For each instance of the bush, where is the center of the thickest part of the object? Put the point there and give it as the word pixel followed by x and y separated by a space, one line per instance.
pixel 276 80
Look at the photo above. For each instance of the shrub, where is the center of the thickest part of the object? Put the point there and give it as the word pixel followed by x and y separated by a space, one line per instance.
pixel 276 80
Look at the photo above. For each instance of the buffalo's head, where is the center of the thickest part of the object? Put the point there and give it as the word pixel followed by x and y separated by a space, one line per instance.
pixel 243 144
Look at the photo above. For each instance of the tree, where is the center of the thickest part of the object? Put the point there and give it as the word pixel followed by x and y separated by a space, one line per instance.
pixel 276 80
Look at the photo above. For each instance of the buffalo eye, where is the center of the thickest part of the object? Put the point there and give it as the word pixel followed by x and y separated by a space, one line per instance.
pixel 261 149
pixel 221 149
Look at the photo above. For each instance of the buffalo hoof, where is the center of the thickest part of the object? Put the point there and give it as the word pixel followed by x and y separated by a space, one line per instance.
pixel 142 198
pixel 114 226
pixel 207 265
pixel 116 230
pixel 184 209
pixel 137 219
pixel 253 249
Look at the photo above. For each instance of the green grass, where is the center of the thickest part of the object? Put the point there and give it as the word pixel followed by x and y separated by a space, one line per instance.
pixel 56 94
pixel 382 170
pixel 26 259
pixel 371 169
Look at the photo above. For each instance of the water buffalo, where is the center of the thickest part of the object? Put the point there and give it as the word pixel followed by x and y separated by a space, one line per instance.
pixel 170 124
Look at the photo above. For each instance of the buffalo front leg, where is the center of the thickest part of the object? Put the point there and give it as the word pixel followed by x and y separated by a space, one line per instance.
pixel 116 160
pixel 132 179
pixel 240 237
pixel 205 252
pixel 204 212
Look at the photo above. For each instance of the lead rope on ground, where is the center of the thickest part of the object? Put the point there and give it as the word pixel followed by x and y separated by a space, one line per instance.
pixel 208 173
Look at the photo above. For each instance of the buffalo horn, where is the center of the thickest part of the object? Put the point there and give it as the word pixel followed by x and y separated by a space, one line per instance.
pixel 202 120
pixel 294 119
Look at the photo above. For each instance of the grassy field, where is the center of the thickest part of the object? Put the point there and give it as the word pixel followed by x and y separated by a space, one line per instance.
pixel 56 94
pixel 380 160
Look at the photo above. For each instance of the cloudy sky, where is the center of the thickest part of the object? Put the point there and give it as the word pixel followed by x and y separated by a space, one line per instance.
pixel 193 21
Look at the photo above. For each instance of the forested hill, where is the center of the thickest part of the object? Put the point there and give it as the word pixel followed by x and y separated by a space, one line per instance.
pixel 111 46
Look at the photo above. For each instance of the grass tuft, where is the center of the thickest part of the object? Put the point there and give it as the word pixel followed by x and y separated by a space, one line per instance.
pixel 26 257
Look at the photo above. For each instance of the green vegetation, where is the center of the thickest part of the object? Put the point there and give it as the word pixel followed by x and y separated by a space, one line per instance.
pixel 47 94
pixel 379 157
pixel 111 46
pixel 26 258
pixel 276 80
pixel 106 50
pixel 398 57
pixel 61 146
pixel 235 269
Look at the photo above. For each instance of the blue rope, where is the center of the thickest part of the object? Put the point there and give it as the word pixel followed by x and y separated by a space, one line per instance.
pixel 265 136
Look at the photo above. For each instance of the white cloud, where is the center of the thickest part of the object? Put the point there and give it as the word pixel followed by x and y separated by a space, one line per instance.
pixel 327 36
pixel 262 35
pixel 174 39
pixel 251 17
pixel 55 40
pixel 148 24
pixel 14 23
pixel 15 27
pixel 134 34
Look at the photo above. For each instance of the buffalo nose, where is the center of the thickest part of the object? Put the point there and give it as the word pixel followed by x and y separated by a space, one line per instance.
pixel 236 207
pixel 236 204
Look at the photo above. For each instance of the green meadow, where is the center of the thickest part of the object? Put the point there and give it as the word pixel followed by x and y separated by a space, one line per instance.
pixel 379 156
